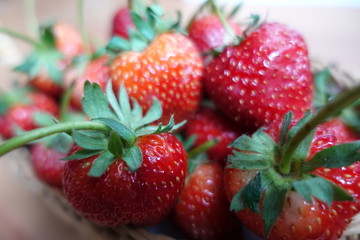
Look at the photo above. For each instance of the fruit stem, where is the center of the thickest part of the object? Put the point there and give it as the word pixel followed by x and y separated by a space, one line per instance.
pixel 223 21
pixel 84 35
pixel 329 110
pixel 195 15
pixel 38 133
pixel 33 24
pixel 20 36
pixel 202 148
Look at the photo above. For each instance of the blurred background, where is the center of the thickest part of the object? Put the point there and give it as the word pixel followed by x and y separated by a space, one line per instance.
pixel 330 27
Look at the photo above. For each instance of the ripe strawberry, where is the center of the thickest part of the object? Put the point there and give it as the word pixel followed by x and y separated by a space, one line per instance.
pixel 131 173
pixel 47 164
pixel 263 77
pixel 20 113
pixel 208 124
pixel 96 71
pixel 280 193
pixel 122 22
pixel 341 131
pixel 208 32
pixel 122 196
pixel 169 68
pixel 202 210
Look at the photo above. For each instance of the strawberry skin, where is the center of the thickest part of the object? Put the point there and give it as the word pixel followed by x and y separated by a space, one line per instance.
pixel 46 164
pixel 342 132
pixel 22 114
pixel 208 124
pixel 208 32
pixel 96 72
pixel 202 210
pixel 299 218
pixel 68 41
pixel 170 69
pixel 122 22
pixel 265 76
pixel 120 196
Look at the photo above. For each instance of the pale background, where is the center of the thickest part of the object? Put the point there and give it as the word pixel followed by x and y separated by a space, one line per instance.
pixel 331 29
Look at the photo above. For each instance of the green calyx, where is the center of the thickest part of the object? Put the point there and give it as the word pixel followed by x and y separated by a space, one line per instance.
pixel 125 122
pixel 44 58
pixel 148 25
pixel 282 167
pixel 111 133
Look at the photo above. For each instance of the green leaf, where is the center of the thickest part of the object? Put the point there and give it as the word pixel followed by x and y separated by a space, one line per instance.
pixel 154 113
pixel 101 164
pixel 253 191
pixel 116 145
pixel 249 161
pixel 86 141
pixel 246 143
pixel 321 95
pixel 114 102
pixel 137 42
pixel 136 114
pixel 47 35
pixel 118 44
pixel 82 154
pixel 125 133
pixel 133 157
pixel 125 103
pixel 320 188
pixel 43 119
pixel 237 202
pixel 337 156
pixel 95 103
pixel 143 27
pixel 273 204
pixel 285 125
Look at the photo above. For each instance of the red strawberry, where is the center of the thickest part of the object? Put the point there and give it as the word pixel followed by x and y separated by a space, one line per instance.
pixel 129 172
pixel 96 71
pixel 121 196
pixel 342 132
pixel 208 32
pixel 284 205
pixel 122 22
pixel 263 77
pixel 208 124
pixel 20 114
pixel 202 210
pixel 47 164
pixel 169 68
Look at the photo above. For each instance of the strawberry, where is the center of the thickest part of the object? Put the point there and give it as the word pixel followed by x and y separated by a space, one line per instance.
pixel 47 164
pixel 295 180
pixel 53 52
pixel 20 113
pixel 122 22
pixel 341 131
pixel 166 66
pixel 209 33
pixel 202 210
pixel 95 71
pixel 208 124
pixel 262 78
pixel 131 173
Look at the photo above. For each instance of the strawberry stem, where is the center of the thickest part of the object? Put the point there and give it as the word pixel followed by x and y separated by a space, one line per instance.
pixel 20 36
pixel 30 136
pixel 223 21
pixel 31 18
pixel 331 109
pixel 84 34
pixel 202 148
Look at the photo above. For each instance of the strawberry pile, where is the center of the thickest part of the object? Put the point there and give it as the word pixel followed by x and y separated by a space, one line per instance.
pixel 213 126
